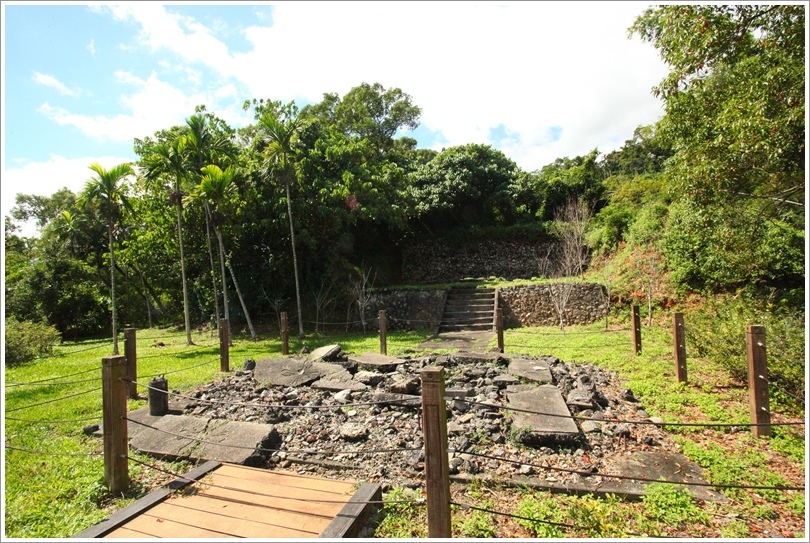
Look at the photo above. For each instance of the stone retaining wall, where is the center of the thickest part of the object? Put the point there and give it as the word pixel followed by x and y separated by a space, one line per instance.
pixel 442 262
pixel 532 305
pixel 406 309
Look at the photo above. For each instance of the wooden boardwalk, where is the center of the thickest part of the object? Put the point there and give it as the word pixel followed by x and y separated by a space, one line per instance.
pixel 238 501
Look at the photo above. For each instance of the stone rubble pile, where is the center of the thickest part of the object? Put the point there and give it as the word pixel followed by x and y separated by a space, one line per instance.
pixel 353 434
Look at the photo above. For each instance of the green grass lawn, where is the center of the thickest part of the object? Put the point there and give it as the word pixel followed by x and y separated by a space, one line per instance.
pixel 54 474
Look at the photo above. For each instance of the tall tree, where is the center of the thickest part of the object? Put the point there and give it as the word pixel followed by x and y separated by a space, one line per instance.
pixel 280 127
pixel 216 187
pixel 168 158
pixel 108 190
pixel 208 141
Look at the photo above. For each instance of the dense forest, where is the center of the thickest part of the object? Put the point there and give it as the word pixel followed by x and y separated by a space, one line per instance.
pixel 288 213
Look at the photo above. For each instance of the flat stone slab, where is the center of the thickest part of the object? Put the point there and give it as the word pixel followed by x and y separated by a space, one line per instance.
pixel 164 440
pixel 336 384
pixel 292 372
pixel 478 358
pixel 669 466
pixel 531 369
pixel 327 352
pixel 376 362
pixel 555 428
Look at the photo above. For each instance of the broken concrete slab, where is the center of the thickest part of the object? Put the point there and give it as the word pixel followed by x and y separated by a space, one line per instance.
pixel 327 353
pixel 292 372
pixel 659 465
pixel 338 384
pixel 554 427
pixel 376 362
pixel 530 369
pixel 198 438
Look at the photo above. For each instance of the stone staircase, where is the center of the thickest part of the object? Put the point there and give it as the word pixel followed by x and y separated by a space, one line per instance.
pixel 469 308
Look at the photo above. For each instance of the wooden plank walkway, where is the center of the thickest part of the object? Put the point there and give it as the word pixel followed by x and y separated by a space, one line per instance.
pixel 237 501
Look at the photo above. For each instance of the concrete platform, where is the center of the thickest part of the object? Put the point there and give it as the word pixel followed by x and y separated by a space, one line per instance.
pixel 542 430
pixel 167 438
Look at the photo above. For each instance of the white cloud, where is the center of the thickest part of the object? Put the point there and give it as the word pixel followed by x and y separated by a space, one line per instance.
pixel 45 178
pixel 474 66
pixel 52 82
pixel 92 47
pixel 153 106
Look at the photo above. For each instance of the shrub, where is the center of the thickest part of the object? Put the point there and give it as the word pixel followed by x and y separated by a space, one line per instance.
pixel 717 331
pixel 28 340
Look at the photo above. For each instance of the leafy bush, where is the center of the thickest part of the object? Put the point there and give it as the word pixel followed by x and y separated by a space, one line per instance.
pixel 717 331
pixel 27 340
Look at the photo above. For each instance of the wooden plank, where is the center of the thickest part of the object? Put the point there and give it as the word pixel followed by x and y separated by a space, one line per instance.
pixel 126 533
pixel 158 527
pixel 119 518
pixel 355 514
pixel 264 485
pixel 250 511
pixel 286 478
pixel 280 501
pixel 175 510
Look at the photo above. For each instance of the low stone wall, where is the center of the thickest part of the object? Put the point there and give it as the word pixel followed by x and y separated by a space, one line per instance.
pixel 442 262
pixel 533 305
pixel 406 309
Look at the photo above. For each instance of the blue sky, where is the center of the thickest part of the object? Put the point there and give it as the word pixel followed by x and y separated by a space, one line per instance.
pixel 537 80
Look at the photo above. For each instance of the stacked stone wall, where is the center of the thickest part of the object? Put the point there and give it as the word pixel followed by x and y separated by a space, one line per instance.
pixel 533 305
pixel 440 261
pixel 406 309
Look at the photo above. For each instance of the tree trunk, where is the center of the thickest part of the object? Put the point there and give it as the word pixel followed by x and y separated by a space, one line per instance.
pixel 112 287
pixel 213 268
pixel 186 313
pixel 224 287
pixel 242 302
pixel 148 305
pixel 295 266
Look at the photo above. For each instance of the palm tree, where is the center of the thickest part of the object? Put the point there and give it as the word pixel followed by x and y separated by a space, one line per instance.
pixel 109 192
pixel 215 187
pixel 280 135
pixel 206 146
pixel 168 158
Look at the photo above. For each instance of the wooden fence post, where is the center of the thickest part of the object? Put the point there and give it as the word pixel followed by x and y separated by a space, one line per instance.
pixel 224 341
pixel 759 400
pixel 285 334
pixel 499 328
pixel 114 406
pixel 679 340
pixel 437 472
pixel 383 338
pixel 636 330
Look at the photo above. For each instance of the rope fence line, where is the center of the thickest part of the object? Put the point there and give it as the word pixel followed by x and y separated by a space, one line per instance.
pixel 52 421
pixel 52 384
pixel 539 521
pixel 54 400
pixel 627 477
pixel 52 378
pixel 277 406
pixel 648 422
pixel 563 334
pixel 206 363
pixel 324 452
pixel 195 348
pixel 265 495
pixel 47 453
